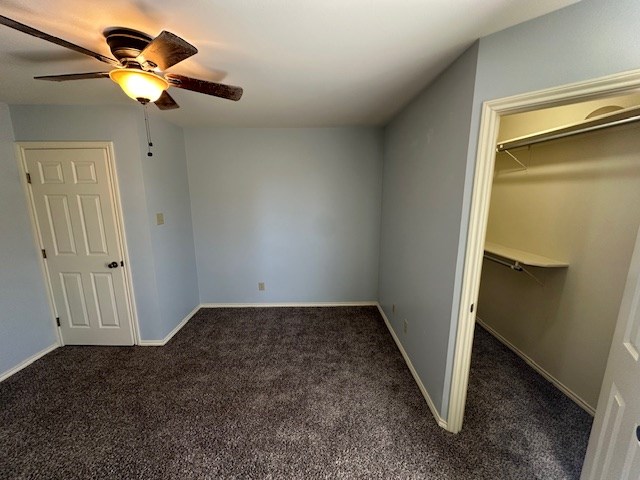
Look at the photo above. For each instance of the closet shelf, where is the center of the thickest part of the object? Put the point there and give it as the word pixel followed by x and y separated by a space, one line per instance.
pixel 522 257
pixel 619 117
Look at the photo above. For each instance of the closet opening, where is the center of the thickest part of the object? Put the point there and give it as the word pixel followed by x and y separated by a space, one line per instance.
pixel 560 236
pixel 554 222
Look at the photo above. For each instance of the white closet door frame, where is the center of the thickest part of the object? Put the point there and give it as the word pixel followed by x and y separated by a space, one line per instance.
pixel 115 197
pixel 465 315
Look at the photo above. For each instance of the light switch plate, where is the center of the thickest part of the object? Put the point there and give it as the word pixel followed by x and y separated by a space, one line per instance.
pixel 159 218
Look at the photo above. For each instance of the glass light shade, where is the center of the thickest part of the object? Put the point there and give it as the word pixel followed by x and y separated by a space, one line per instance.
pixel 139 84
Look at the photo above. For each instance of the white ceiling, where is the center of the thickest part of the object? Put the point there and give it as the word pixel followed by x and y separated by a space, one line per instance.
pixel 300 62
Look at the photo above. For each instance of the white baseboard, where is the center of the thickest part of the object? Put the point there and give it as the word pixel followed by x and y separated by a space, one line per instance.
pixel 371 303
pixel 434 411
pixel 441 422
pixel 160 343
pixel 143 343
pixel 25 363
pixel 532 363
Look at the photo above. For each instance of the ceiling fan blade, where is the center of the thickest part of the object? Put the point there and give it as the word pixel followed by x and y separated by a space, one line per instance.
pixel 166 50
pixel 202 86
pixel 73 76
pixel 166 102
pixel 58 41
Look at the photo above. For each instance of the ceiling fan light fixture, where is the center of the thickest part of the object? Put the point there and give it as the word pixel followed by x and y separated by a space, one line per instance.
pixel 135 54
pixel 138 84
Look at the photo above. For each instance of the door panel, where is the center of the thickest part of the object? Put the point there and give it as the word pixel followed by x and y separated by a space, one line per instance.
pixel 95 241
pixel 615 436
pixel 60 224
pixel 632 336
pixel 72 195
pixel 105 300
pixel 50 172
pixel 84 172
pixel 74 299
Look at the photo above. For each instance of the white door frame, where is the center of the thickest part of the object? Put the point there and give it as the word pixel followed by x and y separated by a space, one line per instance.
pixel 482 182
pixel 114 189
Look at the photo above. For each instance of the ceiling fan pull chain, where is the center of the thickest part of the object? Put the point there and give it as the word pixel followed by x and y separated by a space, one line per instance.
pixel 146 124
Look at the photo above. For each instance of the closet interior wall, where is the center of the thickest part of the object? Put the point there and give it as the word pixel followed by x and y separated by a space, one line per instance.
pixel 577 201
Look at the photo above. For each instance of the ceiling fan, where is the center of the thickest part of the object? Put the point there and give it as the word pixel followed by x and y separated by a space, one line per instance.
pixel 140 64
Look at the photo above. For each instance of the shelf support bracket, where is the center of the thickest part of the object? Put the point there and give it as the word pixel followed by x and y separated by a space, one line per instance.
pixel 522 165
pixel 516 267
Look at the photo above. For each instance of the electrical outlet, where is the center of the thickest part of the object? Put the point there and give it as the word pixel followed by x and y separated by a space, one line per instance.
pixel 159 218
pixel 261 286
pixel 405 325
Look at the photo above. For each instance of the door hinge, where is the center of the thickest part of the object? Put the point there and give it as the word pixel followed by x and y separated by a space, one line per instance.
pixel 28 178
pixel 472 308
pixel 58 321
pixel 122 263
pixel 44 253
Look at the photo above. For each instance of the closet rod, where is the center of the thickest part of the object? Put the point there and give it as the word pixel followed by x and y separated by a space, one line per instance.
pixel 619 117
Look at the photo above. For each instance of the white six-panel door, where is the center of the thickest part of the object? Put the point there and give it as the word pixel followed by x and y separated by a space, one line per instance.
pixel 72 194
pixel 614 445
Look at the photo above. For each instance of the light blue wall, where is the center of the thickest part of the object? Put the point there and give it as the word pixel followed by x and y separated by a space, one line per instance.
pixel 143 189
pixel 424 163
pixel 296 208
pixel 26 324
pixel 167 192
pixel 590 39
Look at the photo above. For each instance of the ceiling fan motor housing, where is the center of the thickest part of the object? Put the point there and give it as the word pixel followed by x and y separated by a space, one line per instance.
pixel 126 44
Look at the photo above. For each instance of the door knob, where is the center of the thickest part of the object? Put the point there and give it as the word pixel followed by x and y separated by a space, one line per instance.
pixel 113 265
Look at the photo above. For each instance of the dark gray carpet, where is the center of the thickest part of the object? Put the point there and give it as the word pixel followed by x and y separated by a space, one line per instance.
pixel 279 393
